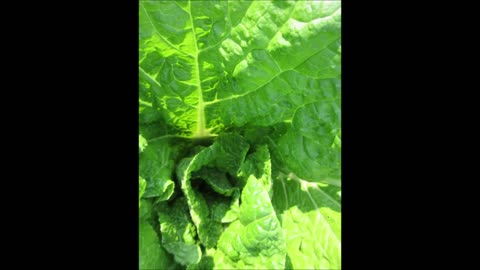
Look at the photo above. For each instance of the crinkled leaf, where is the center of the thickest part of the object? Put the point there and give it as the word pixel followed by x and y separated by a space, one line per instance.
pixel 259 165
pixel 311 219
pixel 157 163
pixel 312 147
pixel 154 130
pixel 178 232
pixel 207 65
pixel 256 240
pixel 225 155
pixel 151 254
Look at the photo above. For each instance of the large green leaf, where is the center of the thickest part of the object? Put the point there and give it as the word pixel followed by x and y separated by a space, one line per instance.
pixel 206 65
pixel 310 216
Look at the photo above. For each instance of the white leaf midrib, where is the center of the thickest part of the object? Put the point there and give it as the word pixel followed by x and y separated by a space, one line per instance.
pixel 201 128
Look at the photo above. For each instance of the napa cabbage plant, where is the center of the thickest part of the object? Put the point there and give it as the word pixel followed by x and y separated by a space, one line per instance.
pixel 239 134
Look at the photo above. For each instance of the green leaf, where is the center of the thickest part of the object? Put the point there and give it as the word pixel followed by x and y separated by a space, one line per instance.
pixel 154 130
pixel 157 163
pixel 218 180
pixel 225 155
pixel 152 255
pixel 259 64
pixel 145 210
pixel 206 262
pixel 256 240
pixel 312 147
pixel 259 165
pixel 178 232
pixel 207 65
pixel 311 219
pixel 225 211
